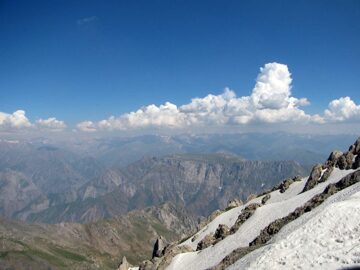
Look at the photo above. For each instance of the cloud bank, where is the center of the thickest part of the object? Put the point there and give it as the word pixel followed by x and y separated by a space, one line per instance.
pixel 270 102
pixel 18 121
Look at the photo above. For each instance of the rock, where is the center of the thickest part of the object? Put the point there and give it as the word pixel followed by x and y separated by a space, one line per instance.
pixel 194 237
pixel 234 203
pixel 159 248
pixel 297 178
pixel 212 216
pixel 333 158
pixel 357 147
pixel 356 163
pixel 341 163
pixel 124 265
pixel 349 160
pixel 251 197
pixel 285 185
pixel 170 253
pixel 345 161
pixel 245 214
pixel 313 178
pixel 326 174
pixel 222 231
pixel 146 265
pixel 265 198
pixel 207 241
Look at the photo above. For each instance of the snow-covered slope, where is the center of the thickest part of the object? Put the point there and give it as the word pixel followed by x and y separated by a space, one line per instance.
pixel 327 237
pixel 279 205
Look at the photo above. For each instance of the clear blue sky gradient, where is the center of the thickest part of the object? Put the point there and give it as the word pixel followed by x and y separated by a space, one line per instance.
pixel 127 54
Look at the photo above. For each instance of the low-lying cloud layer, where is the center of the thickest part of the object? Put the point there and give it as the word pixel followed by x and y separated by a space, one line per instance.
pixel 270 102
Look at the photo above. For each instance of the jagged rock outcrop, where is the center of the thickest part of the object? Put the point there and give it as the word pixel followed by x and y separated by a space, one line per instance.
pixel 207 241
pixel 274 227
pixel 221 232
pixel 344 161
pixel 251 197
pixel 285 185
pixel 124 265
pixel 160 263
pixel 234 203
pixel 245 214
pixel 159 248
pixel 265 198
pixel 356 163
pixel 314 177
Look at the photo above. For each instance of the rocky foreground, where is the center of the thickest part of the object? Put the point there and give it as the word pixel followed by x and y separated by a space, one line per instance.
pixel 301 223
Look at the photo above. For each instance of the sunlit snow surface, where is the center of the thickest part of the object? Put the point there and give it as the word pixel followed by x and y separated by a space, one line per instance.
pixel 279 205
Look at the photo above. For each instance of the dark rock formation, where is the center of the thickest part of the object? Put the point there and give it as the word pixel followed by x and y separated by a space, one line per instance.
pixel 234 203
pixel 356 163
pixel 245 214
pixel 265 198
pixel 285 185
pixel 221 232
pixel 314 177
pixel 207 241
pixel 159 248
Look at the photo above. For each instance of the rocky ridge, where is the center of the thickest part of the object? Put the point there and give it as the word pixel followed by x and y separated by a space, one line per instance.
pixel 320 173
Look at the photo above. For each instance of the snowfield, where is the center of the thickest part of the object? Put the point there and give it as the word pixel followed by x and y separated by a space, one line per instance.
pixel 328 238
pixel 326 228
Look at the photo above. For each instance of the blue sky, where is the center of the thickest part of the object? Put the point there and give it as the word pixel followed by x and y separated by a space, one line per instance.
pixel 88 60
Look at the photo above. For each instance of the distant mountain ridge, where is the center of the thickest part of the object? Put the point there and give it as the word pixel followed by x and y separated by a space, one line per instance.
pixel 201 183
pixel 86 181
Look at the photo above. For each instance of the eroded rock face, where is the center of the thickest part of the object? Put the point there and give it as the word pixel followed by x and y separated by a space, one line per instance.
pixel 234 203
pixel 313 178
pixel 207 241
pixel 170 252
pixel 245 214
pixel 334 156
pixel 159 248
pixel 356 163
pixel 146 265
pixel 251 197
pixel 222 231
pixel 265 198
pixel 285 185
pixel 124 264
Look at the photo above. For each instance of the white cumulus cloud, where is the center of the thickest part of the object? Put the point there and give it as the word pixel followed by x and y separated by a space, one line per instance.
pixel 51 123
pixel 270 101
pixel 342 109
pixel 87 126
pixel 16 120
